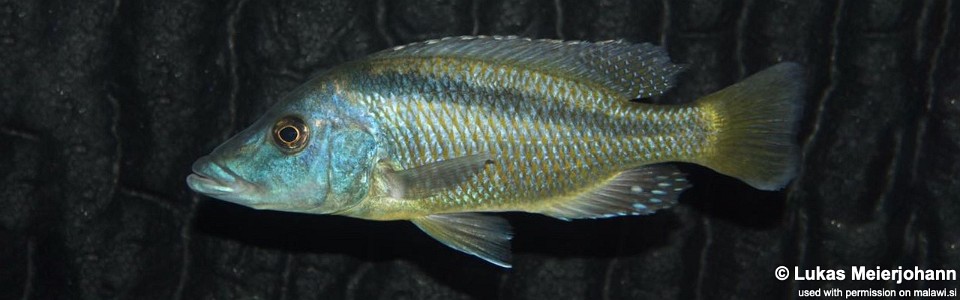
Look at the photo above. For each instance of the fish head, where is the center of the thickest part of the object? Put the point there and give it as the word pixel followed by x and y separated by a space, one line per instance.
pixel 304 155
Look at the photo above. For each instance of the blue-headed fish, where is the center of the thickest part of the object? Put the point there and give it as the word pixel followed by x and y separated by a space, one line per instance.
pixel 443 132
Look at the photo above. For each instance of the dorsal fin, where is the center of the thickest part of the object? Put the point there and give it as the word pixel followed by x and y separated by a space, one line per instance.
pixel 632 70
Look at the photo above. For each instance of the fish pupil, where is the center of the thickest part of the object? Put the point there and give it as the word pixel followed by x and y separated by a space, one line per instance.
pixel 289 134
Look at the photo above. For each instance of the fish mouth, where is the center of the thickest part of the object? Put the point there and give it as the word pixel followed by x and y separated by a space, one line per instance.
pixel 214 180
pixel 208 186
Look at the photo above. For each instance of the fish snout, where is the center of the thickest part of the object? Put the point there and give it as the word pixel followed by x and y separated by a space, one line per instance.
pixel 201 163
pixel 214 180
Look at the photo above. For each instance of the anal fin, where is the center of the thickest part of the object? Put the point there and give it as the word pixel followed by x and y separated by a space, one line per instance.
pixel 487 237
pixel 638 191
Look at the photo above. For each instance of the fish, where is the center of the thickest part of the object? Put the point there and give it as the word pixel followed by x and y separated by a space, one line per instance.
pixel 447 132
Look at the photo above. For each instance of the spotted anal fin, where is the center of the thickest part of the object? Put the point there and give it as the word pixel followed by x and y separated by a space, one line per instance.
pixel 487 237
pixel 428 179
pixel 638 191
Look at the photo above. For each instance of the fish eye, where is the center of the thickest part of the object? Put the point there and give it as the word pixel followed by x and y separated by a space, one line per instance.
pixel 290 133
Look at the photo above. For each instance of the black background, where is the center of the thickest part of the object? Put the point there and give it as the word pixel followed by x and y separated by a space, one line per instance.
pixel 105 104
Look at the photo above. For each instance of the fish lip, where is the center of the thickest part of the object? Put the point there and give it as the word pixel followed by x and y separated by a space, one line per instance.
pixel 208 186
pixel 215 180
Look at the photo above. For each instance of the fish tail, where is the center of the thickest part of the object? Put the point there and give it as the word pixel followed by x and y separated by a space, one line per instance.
pixel 756 122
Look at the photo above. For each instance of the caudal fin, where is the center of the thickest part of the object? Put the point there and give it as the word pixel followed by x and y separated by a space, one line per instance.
pixel 756 124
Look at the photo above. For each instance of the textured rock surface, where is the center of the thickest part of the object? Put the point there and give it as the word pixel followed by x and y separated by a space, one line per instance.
pixel 104 105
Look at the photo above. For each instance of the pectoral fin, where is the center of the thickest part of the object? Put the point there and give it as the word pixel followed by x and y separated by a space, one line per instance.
pixel 428 179
pixel 484 236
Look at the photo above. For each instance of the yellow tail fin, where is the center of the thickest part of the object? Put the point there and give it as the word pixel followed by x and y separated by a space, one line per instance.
pixel 756 124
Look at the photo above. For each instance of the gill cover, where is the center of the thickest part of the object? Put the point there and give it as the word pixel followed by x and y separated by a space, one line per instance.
pixel 352 158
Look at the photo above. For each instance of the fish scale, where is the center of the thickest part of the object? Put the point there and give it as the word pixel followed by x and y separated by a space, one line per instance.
pixel 524 117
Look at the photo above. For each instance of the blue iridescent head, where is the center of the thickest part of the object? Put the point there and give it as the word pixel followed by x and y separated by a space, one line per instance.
pixel 309 153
